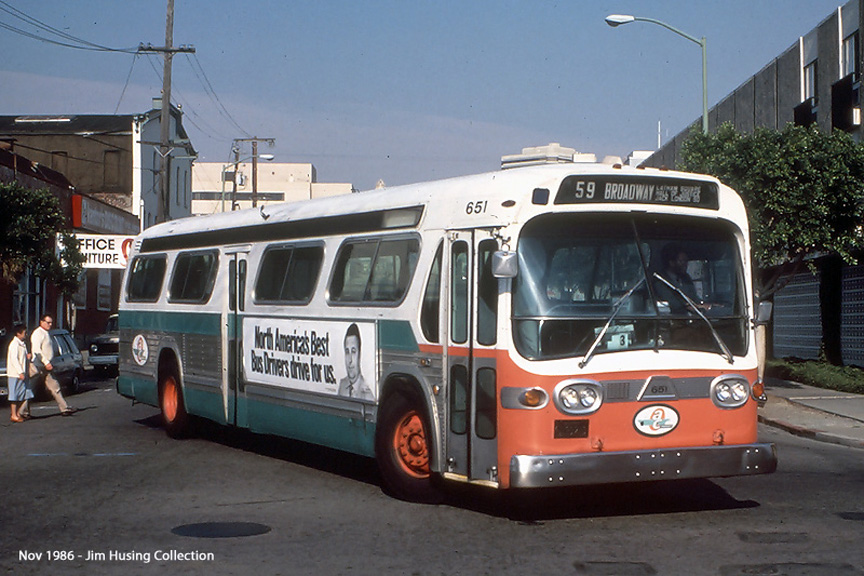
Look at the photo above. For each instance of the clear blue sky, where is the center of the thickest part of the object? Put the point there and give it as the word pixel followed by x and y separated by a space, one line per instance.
pixel 406 90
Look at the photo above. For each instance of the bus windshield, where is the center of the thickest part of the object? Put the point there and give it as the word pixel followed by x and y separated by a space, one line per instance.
pixel 614 282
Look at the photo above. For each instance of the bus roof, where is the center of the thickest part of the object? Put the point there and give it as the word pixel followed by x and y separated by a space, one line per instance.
pixel 441 202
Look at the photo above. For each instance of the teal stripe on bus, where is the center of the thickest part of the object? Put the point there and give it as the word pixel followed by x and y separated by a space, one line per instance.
pixel 346 434
pixel 143 390
pixel 396 335
pixel 182 322
pixel 205 403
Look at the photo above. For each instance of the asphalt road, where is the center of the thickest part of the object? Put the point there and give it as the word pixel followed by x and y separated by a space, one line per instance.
pixel 106 492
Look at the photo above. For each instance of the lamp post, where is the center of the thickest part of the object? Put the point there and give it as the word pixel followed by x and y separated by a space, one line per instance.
pixel 235 164
pixel 619 19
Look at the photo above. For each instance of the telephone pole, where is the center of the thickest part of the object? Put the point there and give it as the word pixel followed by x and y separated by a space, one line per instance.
pixel 254 140
pixel 164 208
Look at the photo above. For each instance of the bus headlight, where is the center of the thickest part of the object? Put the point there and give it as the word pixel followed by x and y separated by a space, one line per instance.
pixel 578 396
pixel 730 391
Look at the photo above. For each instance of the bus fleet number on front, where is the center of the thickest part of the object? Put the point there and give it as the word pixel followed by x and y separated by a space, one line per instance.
pixel 478 207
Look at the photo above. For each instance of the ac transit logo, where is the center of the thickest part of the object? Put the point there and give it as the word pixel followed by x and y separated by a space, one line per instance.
pixel 656 420
pixel 140 350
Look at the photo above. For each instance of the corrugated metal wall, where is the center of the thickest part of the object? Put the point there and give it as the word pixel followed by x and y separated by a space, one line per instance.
pixel 797 320
pixel 852 315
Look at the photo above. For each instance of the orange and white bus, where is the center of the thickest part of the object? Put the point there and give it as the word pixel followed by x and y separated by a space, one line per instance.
pixel 551 325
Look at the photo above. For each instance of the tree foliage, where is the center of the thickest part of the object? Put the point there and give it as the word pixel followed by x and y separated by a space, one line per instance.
pixel 29 223
pixel 804 189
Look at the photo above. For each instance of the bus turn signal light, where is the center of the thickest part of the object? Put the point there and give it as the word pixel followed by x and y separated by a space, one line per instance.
pixel 533 398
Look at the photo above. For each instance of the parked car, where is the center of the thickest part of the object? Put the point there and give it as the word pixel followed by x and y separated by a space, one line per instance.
pixel 104 350
pixel 68 365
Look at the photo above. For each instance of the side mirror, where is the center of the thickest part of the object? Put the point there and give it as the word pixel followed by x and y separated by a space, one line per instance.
pixel 505 264
pixel 763 312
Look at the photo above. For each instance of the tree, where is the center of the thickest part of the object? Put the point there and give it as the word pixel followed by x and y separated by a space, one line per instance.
pixel 803 188
pixel 29 223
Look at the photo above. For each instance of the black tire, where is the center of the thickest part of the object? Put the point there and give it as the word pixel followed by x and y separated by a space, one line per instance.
pixel 74 384
pixel 403 448
pixel 174 416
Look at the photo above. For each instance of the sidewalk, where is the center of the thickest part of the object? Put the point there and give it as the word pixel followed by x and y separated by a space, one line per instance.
pixel 824 415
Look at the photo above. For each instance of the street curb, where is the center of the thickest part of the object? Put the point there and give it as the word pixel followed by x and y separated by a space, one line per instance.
pixel 811 434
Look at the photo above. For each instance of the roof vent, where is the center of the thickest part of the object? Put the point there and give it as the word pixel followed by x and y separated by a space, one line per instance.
pixel 552 153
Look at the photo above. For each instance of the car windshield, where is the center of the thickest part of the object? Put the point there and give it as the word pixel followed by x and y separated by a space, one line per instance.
pixel 112 324
pixel 610 282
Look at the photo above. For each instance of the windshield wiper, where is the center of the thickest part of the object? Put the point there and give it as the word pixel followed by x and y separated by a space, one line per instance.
pixel 725 349
pixel 615 309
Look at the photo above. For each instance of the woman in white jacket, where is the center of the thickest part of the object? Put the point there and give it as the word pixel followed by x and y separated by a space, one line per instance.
pixel 16 372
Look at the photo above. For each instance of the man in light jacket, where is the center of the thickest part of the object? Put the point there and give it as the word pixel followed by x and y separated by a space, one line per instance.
pixel 43 353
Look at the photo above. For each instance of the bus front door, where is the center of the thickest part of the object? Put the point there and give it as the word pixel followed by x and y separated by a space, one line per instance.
pixel 472 297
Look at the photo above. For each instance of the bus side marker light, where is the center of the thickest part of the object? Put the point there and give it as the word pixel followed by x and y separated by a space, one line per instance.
pixel 719 437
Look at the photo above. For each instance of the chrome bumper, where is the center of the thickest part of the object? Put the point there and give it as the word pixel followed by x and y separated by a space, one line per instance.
pixel 108 359
pixel 642 465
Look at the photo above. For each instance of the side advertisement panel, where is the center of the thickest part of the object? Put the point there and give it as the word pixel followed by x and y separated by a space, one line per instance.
pixel 335 358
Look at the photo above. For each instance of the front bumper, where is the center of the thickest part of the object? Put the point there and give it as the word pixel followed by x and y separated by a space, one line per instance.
pixel 642 465
pixel 106 360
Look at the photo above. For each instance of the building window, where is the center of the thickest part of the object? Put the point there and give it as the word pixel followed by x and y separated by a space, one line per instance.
pixel 103 292
pixel 111 168
pixel 850 55
pixel 810 80
pixel 80 296
pixel 60 161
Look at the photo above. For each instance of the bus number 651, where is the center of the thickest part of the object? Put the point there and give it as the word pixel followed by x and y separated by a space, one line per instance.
pixel 477 207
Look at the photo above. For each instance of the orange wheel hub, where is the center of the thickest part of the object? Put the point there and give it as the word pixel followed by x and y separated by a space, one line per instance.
pixel 409 445
pixel 169 399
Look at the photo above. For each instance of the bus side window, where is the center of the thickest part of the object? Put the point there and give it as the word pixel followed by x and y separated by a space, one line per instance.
pixel 374 271
pixel 430 311
pixel 459 293
pixel 145 280
pixel 289 274
pixel 193 279
pixel 487 294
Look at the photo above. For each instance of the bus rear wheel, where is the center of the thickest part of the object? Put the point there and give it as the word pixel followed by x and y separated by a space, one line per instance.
pixel 403 447
pixel 174 415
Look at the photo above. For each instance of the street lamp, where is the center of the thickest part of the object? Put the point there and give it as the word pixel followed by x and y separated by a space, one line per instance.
pixel 615 20
pixel 236 163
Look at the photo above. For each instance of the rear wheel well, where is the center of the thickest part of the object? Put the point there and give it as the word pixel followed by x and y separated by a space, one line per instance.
pixel 174 416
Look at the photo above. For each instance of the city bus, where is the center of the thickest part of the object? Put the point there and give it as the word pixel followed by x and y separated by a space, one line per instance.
pixel 541 326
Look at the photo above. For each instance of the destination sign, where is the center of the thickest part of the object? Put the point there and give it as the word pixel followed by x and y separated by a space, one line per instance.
pixel 638 190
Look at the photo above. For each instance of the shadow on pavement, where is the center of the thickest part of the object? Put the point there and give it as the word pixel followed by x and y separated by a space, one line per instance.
pixel 636 499
pixel 526 506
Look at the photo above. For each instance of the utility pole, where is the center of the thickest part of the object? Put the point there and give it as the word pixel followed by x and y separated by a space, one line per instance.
pixel 164 208
pixel 254 140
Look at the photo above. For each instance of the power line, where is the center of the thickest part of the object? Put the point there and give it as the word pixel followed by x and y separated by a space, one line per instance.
pixel 179 98
pixel 99 162
pixel 79 43
pixel 208 88
pixel 126 84
pixel 71 41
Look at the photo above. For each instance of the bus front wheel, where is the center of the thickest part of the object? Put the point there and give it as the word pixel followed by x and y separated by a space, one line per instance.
pixel 174 415
pixel 403 446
